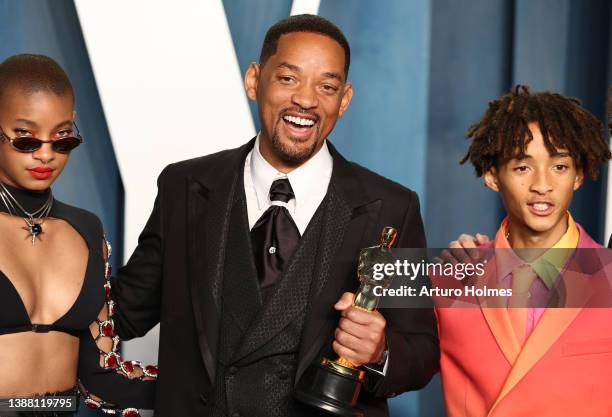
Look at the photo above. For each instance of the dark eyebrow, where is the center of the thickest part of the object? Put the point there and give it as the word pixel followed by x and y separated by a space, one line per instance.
pixel 556 155
pixel 33 124
pixel 334 75
pixel 65 122
pixel 289 66
pixel 295 68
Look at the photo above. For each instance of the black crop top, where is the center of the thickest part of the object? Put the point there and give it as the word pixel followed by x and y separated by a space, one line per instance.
pixel 14 317
pixel 117 385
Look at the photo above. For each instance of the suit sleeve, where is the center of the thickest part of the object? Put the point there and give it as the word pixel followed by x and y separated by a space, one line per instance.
pixel 107 381
pixel 412 337
pixel 136 288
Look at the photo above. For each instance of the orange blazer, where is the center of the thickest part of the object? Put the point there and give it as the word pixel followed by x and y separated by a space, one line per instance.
pixel 564 368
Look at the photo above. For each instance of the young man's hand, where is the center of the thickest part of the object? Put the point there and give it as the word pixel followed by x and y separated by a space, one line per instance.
pixel 463 250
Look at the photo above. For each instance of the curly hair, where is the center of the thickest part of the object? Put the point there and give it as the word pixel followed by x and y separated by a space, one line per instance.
pixel 503 132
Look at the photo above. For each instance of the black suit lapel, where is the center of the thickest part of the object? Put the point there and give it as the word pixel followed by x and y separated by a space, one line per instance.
pixel 241 292
pixel 323 318
pixel 209 203
pixel 354 217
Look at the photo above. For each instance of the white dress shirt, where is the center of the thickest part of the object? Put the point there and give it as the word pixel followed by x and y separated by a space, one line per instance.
pixel 308 181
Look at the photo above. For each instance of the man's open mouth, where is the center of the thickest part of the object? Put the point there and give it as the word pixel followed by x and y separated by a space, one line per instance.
pixel 300 122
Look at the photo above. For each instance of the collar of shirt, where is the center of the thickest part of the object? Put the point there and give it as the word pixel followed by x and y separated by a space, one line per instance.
pixel 309 183
pixel 548 266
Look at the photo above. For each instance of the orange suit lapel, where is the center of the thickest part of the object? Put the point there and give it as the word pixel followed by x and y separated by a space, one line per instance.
pixel 552 324
pixel 501 329
pixel 496 314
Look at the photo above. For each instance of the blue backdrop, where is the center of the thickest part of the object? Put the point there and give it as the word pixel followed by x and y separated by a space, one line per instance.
pixel 423 71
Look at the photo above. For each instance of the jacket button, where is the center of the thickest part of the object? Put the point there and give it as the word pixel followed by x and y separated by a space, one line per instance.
pixel 233 370
pixel 236 415
pixel 203 399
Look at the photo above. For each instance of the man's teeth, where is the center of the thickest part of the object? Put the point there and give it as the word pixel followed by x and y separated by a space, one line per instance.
pixel 541 206
pixel 299 121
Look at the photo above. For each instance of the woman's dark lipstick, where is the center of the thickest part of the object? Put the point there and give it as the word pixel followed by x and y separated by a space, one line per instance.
pixel 41 173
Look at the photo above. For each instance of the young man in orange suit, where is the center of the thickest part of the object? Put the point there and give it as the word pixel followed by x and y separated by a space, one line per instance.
pixel 533 149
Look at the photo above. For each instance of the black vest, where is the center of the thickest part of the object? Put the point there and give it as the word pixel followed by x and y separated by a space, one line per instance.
pixel 259 341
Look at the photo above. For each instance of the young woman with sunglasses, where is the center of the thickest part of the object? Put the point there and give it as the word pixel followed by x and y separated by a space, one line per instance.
pixel 56 328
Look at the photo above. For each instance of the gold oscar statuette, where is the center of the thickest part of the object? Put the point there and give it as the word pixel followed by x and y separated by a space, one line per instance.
pixel 335 384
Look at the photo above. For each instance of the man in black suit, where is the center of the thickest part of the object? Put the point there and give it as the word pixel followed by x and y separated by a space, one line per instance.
pixel 249 255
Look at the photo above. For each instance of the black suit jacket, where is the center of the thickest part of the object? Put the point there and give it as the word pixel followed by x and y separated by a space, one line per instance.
pixel 175 275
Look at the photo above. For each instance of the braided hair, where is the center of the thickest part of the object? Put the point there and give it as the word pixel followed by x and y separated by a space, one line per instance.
pixel 503 132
